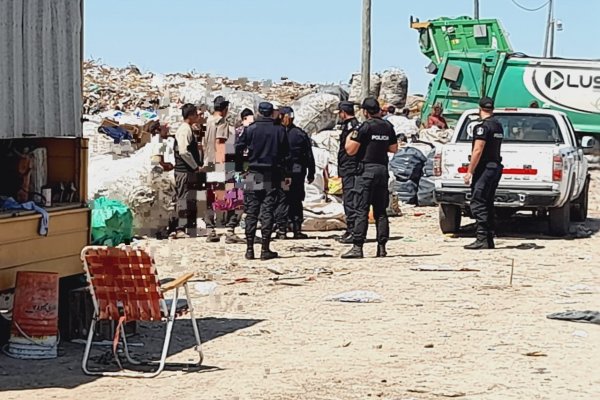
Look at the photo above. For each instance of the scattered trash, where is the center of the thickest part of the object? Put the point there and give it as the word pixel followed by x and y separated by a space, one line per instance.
pixel 205 288
pixel 450 394
pixel 356 296
pixel 581 334
pixel 582 232
pixel 276 270
pixel 286 278
pixel 512 271
pixel 528 246
pixel 239 280
pixel 591 317
pixel 536 354
pixel 582 289
pixel 441 268
pixel 417 390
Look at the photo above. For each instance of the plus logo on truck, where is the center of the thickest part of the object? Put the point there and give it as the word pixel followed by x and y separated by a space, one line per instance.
pixel 570 87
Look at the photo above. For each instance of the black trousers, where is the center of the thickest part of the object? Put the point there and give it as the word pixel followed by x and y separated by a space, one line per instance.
pixel 289 206
pixel 371 189
pixel 483 190
pixel 282 211
pixel 348 197
pixel 261 193
pixel 187 185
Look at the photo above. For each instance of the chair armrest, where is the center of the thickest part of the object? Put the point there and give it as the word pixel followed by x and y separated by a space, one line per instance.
pixel 177 283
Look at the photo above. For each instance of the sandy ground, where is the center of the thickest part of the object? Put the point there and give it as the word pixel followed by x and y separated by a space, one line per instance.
pixel 434 335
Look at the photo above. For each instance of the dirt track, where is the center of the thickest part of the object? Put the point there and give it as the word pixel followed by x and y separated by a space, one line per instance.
pixel 434 335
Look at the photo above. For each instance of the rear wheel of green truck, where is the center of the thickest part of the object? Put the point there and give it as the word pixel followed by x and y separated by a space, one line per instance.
pixel 450 216
pixel 579 209
pixel 560 218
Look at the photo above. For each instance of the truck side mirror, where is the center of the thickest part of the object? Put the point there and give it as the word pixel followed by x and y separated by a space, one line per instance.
pixel 587 142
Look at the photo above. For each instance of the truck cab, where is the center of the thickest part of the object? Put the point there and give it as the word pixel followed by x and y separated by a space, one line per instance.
pixel 544 168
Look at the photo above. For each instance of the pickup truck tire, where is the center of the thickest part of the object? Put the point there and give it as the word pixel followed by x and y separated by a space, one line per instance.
pixel 450 216
pixel 560 219
pixel 579 209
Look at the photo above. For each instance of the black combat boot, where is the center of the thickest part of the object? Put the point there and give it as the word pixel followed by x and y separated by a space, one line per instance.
pixel 355 252
pixel 381 251
pixel 482 243
pixel 346 238
pixel 212 237
pixel 266 253
pixel 490 241
pixel 249 249
pixel 297 229
pixel 281 235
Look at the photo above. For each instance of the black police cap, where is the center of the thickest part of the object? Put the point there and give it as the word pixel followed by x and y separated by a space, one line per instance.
pixel 486 103
pixel 371 105
pixel 220 103
pixel 265 107
pixel 346 106
pixel 287 111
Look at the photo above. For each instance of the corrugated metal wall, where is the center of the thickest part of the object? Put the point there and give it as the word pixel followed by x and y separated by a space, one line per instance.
pixel 40 68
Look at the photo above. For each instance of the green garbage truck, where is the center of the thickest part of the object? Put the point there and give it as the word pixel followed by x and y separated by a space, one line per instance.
pixel 473 58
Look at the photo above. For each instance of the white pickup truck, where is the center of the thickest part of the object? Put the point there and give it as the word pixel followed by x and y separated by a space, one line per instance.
pixel 544 169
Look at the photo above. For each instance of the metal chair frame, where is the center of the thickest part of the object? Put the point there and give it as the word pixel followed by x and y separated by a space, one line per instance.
pixel 123 299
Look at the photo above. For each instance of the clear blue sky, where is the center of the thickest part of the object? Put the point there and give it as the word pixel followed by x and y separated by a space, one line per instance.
pixel 307 40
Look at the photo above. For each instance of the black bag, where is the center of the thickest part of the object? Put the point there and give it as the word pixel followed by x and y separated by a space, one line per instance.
pixel 407 164
pixel 425 195
pixel 406 191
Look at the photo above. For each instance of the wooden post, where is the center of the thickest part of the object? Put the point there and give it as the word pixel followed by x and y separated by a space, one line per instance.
pixel 366 50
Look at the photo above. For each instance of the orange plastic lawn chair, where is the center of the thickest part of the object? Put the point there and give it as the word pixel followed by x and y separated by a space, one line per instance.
pixel 125 287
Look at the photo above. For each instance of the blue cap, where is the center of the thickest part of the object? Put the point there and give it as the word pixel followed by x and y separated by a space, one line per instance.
pixel 287 111
pixel 265 108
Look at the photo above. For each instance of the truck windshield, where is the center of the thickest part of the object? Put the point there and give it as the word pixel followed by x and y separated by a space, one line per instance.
pixel 519 128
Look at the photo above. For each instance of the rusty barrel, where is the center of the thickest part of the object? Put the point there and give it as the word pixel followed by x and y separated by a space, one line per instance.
pixel 34 331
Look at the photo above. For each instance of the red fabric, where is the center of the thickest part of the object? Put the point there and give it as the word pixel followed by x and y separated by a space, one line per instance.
pixel 125 279
pixel 437 120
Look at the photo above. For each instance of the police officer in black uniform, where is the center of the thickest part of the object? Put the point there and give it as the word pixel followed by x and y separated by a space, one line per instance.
pixel 371 143
pixel 268 166
pixel 347 168
pixel 484 173
pixel 302 167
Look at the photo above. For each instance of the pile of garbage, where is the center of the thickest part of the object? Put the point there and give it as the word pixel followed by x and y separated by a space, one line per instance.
pixel 390 87
pixel 124 107
pixel 129 89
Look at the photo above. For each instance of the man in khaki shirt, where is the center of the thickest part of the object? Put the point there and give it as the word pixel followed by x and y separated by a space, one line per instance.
pixel 217 133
